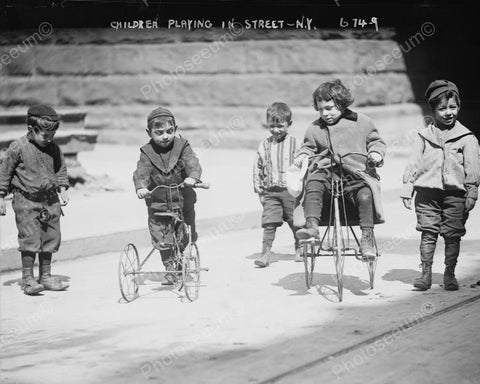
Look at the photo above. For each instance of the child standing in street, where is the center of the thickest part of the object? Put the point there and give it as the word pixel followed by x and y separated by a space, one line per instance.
pixel 339 131
pixel 166 159
pixel 275 154
pixel 33 168
pixel 444 172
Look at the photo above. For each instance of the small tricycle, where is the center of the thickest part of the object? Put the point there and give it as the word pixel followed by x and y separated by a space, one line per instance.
pixel 338 238
pixel 185 255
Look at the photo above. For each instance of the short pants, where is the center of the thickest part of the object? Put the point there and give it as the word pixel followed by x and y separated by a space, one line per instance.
pixel 441 212
pixel 35 235
pixel 277 207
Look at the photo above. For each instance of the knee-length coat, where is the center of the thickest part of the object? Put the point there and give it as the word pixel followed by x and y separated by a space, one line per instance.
pixel 354 132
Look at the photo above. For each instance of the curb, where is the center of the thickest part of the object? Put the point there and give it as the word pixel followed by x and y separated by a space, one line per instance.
pixel 114 242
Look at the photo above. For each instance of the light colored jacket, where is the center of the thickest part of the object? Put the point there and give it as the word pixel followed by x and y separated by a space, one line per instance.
pixel 452 165
pixel 354 132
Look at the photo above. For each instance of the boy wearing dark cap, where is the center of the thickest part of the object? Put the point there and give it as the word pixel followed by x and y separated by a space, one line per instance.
pixel 444 172
pixel 33 168
pixel 166 159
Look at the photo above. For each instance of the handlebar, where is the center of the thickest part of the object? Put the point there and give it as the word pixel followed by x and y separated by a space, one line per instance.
pixel 339 156
pixel 334 156
pixel 179 186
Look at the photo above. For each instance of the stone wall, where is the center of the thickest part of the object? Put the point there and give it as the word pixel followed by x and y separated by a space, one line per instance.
pixel 212 80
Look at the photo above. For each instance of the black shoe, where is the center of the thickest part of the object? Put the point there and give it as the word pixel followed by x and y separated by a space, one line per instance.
pixel 450 283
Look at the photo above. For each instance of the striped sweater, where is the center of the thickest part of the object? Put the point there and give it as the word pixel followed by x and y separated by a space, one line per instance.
pixel 271 163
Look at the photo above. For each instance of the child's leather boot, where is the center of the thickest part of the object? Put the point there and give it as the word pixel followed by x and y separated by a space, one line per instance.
pixel 367 244
pixel 29 284
pixel 264 260
pixel 310 230
pixel 452 249
pixel 424 282
pixel 427 250
pixel 51 283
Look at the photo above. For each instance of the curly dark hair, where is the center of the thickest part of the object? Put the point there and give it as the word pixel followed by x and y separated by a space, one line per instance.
pixel 333 90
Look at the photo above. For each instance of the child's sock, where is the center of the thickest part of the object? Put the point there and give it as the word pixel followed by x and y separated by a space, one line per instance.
pixel 44 263
pixel 452 250
pixel 44 258
pixel 28 259
pixel 29 285
pixel 365 207
pixel 427 247
pixel 268 237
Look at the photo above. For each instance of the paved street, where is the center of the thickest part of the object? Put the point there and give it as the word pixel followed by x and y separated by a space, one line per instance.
pixel 248 325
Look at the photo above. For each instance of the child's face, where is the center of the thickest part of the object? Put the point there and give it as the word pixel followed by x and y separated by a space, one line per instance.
pixel 42 136
pixel 162 131
pixel 446 112
pixel 278 129
pixel 329 112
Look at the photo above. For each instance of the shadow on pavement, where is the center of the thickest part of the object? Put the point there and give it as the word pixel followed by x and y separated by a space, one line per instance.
pixel 18 281
pixel 274 257
pixel 352 323
pixel 324 283
pixel 407 276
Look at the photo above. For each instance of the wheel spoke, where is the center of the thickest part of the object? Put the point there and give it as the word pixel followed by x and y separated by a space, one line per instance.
pixel 309 263
pixel 191 272
pixel 128 267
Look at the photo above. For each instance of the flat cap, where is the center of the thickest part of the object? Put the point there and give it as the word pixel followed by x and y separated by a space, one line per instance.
pixel 438 87
pixel 42 110
pixel 160 111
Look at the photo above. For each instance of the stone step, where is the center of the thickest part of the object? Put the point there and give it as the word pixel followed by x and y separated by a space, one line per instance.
pixel 242 127
pixel 113 36
pixel 72 137
pixel 71 141
pixel 219 56
pixel 205 90
pixel 16 119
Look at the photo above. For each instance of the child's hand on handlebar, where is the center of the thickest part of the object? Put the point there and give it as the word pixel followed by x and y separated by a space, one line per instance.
pixel 190 182
pixel 298 161
pixel 375 159
pixel 142 193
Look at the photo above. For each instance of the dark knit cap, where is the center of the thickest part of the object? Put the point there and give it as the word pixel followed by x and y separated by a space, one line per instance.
pixel 44 111
pixel 160 111
pixel 438 87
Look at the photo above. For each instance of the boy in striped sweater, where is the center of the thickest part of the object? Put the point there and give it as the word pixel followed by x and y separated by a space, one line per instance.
pixel 275 154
